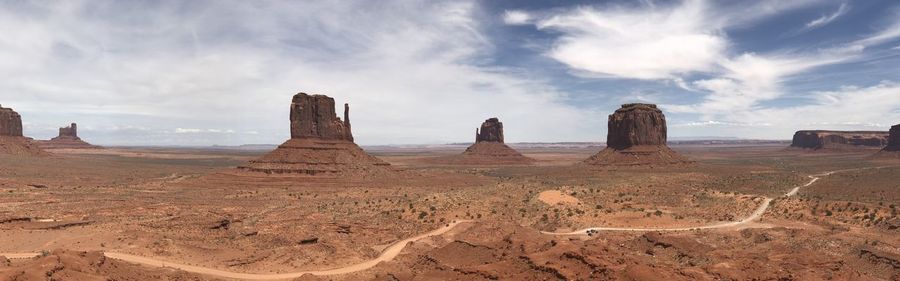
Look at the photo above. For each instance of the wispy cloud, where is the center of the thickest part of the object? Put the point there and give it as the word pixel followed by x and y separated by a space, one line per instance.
pixel 639 43
pixel 516 17
pixel 195 131
pixel 410 70
pixel 826 19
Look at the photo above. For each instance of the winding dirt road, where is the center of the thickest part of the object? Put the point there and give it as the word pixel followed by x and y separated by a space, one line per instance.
pixel 753 216
pixel 388 254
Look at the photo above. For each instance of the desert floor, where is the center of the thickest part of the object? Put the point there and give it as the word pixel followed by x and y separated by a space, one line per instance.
pixel 724 217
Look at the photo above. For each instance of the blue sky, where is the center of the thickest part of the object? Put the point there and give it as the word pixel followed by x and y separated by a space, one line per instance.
pixel 223 72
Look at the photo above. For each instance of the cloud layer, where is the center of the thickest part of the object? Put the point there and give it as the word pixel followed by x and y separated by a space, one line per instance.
pixel 409 70
pixel 687 44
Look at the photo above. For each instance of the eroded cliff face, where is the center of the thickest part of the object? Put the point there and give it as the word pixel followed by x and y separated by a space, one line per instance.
pixel 321 144
pixel 313 116
pixel 637 137
pixel 491 131
pixel 636 124
pixel 70 131
pixel 11 139
pixel 820 139
pixel 10 122
pixel 893 143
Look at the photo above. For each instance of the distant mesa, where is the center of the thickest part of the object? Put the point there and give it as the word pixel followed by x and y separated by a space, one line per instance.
pixel 67 139
pixel 839 140
pixel 321 144
pixel 489 149
pixel 11 139
pixel 637 136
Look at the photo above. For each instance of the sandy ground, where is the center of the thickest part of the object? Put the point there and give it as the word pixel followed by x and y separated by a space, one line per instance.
pixel 180 206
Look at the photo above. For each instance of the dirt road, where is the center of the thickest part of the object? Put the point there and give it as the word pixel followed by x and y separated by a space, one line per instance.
pixel 388 254
pixel 753 216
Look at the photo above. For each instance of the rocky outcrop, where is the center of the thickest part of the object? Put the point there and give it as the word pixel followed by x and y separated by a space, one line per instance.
pixel 12 142
pixel 636 124
pixel 893 143
pixel 636 136
pixel 821 139
pixel 70 131
pixel 10 122
pixel 488 149
pixel 67 139
pixel 491 131
pixel 313 116
pixel 321 144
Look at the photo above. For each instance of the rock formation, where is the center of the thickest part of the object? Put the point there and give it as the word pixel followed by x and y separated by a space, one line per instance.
pixel 838 140
pixel 488 149
pixel 10 123
pixel 67 138
pixel 637 136
pixel 892 148
pixel 491 131
pixel 321 144
pixel 893 143
pixel 313 116
pixel 11 139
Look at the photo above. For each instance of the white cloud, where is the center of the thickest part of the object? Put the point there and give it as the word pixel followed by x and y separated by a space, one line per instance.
pixel 187 130
pixel 826 19
pixel 750 78
pixel 714 123
pixel 873 107
pixel 516 17
pixel 635 42
pixel 195 131
pixel 848 108
pixel 409 70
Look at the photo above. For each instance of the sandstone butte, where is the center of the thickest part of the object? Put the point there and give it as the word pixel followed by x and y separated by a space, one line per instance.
pixel 637 136
pixel 12 142
pixel 893 143
pixel 321 144
pixel 892 147
pixel 839 140
pixel 67 138
pixel 489 149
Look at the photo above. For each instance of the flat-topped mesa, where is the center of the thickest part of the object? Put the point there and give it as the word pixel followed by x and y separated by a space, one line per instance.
pixel 636 136
pixel 10 122
pixel 636 124
pixel 491 131
pixel 321 144
pixel 313 116
pixel 822 139
pixel 893 143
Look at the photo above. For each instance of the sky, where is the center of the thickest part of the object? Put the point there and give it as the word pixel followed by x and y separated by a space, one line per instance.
pixel 428 72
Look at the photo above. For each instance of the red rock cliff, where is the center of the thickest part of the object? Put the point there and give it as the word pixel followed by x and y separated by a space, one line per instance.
pixel 491 131
pixel 636 124
pixel 893 143
pixel 70 131
pixel 10 122
pixel 819 139
pixel 313 116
